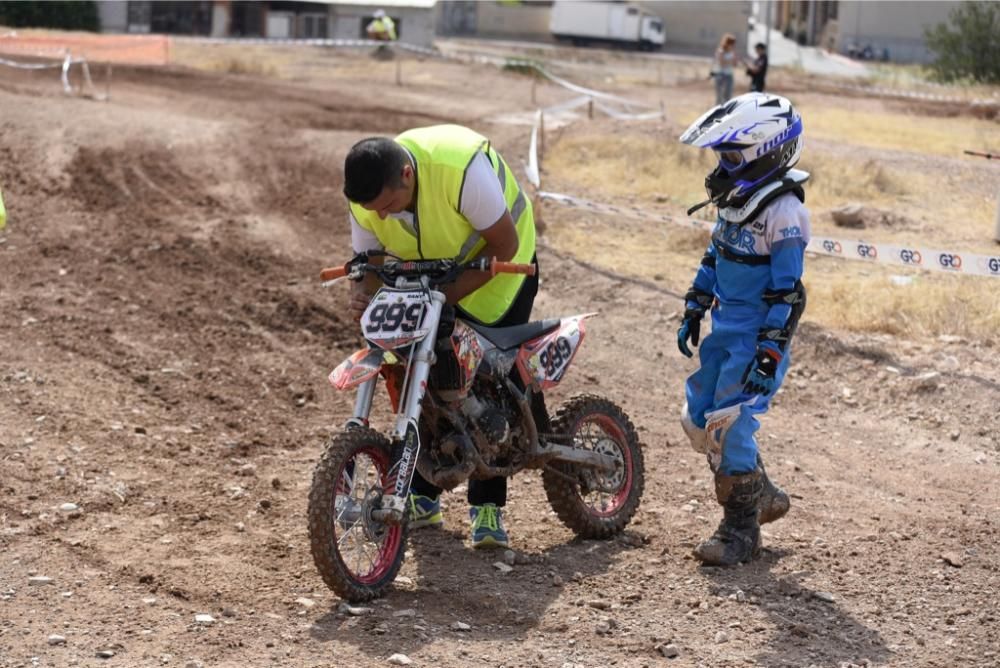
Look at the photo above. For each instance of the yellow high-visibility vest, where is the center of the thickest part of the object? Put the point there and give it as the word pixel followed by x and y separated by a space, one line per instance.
pixel 442 154
pixel 383 26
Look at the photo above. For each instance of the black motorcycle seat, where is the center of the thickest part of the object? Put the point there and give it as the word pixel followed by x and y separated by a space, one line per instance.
pixel 506 338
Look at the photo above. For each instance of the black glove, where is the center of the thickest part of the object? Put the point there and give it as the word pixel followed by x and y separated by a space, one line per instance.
pixel 697 303
pixel 690 330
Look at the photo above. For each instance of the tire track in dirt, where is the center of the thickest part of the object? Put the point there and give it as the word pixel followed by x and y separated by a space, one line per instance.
pixel 180 362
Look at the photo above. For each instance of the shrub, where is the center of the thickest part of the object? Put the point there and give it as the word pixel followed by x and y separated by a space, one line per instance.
pixel 968 46
pixel 58 14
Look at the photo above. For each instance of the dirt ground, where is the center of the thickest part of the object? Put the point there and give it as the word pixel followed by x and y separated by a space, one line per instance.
pixel 164 346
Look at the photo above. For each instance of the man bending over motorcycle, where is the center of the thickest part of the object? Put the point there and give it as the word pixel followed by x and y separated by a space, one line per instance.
pixel 750 279
pixel 445 192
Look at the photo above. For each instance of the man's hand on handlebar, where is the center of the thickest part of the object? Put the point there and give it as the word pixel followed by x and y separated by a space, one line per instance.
pixel 444 274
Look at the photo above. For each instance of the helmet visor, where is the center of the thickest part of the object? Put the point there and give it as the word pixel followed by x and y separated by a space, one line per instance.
pixel 731 160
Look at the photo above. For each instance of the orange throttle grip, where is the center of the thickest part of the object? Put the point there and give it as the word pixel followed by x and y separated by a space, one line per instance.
pixel 498 267
pixel 333 273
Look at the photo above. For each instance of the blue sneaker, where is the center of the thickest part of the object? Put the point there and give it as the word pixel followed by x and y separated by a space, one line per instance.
pixel 487 526
pixel 425 512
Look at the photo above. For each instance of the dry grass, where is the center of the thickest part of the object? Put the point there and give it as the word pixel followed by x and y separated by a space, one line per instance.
pixel 932 305
pixel 900 131
pixel 920 78
pixel 252 59
pixel 282 61
pixel 244 66
pixel 834 182
pixel 660 252
pixel 647 166
pixel 643 166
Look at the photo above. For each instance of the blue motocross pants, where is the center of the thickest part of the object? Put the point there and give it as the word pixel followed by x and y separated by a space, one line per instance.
pixel 725 355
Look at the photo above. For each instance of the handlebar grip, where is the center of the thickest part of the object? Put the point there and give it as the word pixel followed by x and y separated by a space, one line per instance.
pixel 333 273
pixel 498 267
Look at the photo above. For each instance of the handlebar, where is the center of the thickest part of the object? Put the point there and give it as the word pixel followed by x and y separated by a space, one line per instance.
pixel 498 267
pixel 333 273
pixel 439 271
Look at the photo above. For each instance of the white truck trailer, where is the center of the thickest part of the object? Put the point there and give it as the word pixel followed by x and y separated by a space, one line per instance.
pixel 605 23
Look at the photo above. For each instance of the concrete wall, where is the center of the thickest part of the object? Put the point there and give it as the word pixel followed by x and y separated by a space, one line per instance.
pixel 113 16
pixel 897 26
pixel 697 27
pixel 514 21
pixel 414 25
pixel 691 27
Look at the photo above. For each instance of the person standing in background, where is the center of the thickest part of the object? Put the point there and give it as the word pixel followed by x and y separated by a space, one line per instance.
pixel 382 28
pixel 722 71
pixel 757 68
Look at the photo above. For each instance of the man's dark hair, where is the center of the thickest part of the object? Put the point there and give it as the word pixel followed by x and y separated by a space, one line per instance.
pixel 760 45
pixel 371 165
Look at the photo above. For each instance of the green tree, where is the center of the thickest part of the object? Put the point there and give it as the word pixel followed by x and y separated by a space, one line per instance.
pixel 969 45
pixel 64 15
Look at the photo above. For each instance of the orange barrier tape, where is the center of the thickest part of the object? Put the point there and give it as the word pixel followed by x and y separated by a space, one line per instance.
pixel 131 49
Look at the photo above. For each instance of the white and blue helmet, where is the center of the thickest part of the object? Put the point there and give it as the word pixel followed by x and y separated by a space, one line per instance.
pixel 757 138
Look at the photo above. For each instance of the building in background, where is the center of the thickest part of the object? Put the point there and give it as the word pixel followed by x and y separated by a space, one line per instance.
pixel 697 27
pixel 498 20
pixel 218 18
pixel 273 19
pixel 414 19
pixel 690 27
pixel 879 29
pixel 872 29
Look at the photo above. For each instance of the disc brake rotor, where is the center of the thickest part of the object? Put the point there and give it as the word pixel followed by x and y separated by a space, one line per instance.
pixel 600 481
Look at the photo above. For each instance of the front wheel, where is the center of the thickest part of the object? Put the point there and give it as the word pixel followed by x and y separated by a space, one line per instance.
pixel 596 504
pixel 357 556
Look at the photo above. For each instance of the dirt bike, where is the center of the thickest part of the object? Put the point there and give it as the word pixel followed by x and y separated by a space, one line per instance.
pixel 468 404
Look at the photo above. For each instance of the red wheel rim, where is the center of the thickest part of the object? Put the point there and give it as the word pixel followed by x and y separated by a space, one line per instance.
pixel 611 429
pixel 391 540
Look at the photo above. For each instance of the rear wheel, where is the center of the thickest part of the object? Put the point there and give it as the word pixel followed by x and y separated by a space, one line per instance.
pixel 593 503
pixel 357 556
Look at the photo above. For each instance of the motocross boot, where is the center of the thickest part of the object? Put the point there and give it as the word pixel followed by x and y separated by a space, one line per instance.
pixel 774 502
pixel 737 539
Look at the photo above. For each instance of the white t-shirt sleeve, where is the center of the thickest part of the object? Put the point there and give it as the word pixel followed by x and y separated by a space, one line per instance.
pixel 482 201
pixel 788 218
pixel 361 239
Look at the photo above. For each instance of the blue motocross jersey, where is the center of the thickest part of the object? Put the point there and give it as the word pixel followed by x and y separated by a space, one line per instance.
pixel 743 261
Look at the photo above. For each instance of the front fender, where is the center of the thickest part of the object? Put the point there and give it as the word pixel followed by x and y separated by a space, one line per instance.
pixel 360 367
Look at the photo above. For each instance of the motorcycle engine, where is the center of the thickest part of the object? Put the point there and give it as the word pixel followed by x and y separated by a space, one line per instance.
pixel 491 413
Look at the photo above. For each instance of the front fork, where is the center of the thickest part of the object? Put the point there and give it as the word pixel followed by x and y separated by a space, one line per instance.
pixel 406 433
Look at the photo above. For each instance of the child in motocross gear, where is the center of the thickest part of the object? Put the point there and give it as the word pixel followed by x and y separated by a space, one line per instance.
pixel 750 279
pixel 436 192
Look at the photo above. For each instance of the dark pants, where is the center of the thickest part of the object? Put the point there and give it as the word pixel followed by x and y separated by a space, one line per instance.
pixel 493 490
